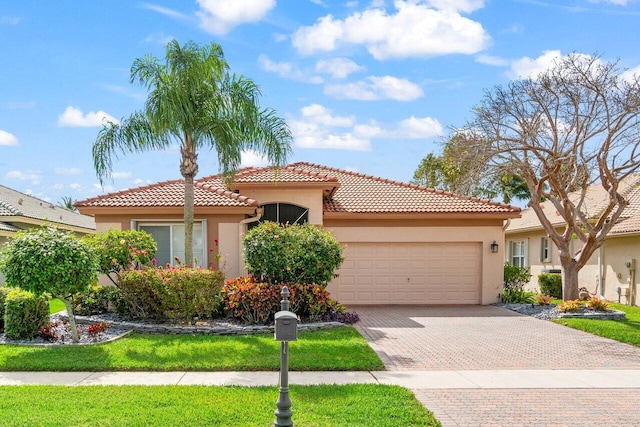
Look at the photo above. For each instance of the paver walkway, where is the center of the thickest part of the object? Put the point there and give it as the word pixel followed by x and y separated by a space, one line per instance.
pixel 529 354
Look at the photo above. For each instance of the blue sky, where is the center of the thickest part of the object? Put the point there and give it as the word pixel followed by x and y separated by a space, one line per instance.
pixel 368 86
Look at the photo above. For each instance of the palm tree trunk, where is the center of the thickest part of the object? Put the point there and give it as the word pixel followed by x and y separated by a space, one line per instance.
pixel 188 169
pixel 188 220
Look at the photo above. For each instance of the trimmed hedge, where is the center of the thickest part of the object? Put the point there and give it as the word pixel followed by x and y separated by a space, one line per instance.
pixel 550 284
pixel 25 314
pixel 97 299
pixel 3 295
pixel 175 293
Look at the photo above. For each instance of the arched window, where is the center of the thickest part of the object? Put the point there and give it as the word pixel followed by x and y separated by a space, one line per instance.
pixel 284 213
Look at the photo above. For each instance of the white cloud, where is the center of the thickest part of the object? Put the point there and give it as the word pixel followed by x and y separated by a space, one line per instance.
pixel 465 6
pixel 411 128
pixel 414 30
pixel 158 37
pixel 165 11
pixel 526 67
pixel 322 115
pixel 32 176
pixel 140 181
pixel 495 61
pixel 339 68
pixel 319 128
pixel 253 158
pixel 374 88
pixel 120 175
pixel 67 171
pixel 75 186
pixel 628 75
pixel 221 16
pixel 103 188
pixel 7 139
pixel 287 70
pixel 73 117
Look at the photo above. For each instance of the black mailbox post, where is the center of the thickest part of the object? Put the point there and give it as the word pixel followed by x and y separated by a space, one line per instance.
pixel 285 330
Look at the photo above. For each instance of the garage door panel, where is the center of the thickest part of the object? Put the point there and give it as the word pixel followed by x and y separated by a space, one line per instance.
pixel 410 273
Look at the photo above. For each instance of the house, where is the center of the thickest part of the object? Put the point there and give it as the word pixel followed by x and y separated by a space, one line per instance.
pixel 610 272
pixel 404 244
pixel 19 211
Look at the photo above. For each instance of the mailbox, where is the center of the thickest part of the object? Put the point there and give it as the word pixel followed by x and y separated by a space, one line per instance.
pixel 286 328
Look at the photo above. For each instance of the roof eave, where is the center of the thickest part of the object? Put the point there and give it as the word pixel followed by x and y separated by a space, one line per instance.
pixel 420 215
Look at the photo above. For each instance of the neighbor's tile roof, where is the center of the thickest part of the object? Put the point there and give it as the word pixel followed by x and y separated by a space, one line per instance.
pixel 595 201
pixel 16 204
pixel 170 194
pixel 355 193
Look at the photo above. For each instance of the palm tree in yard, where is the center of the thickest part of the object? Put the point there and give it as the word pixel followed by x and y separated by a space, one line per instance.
pixel 194 101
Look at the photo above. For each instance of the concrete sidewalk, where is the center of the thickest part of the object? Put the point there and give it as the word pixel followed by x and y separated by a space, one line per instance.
pixel 415 380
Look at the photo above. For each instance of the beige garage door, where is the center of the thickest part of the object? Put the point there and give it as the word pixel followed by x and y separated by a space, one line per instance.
pixel 409 273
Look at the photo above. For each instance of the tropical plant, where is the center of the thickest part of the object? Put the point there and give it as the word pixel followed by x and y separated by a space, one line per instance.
pixel 515 277
pixel 49 260
pixel 66 202
pixel 300 253
pixel 194 101
pixel 550 284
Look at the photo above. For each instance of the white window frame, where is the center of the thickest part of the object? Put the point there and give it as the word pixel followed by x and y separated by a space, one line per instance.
pixel 518 250
pixel 200 259
pixel 545 249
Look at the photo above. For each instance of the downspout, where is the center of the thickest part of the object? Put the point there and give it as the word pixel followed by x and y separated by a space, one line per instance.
pixel 243 228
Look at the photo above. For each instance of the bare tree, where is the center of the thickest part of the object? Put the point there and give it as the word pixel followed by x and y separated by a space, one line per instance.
pixel 575 125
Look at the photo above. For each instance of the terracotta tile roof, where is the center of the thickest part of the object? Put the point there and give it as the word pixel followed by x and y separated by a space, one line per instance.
pixel 355 193
pixel 170 194
pixel 359 193
pixel 16 204
pixel 595 201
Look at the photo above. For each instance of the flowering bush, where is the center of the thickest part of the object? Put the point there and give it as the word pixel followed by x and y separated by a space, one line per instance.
pixel 279 253
pixel 177 293
pixel 118 250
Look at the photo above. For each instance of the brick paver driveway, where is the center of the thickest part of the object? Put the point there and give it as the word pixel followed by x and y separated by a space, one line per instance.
pixel 492 338
pixel 484 337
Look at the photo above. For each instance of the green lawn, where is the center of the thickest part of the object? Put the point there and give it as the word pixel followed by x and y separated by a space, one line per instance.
pixel 627 331
pixel 55 305
pixel 321 406
pixel 337 349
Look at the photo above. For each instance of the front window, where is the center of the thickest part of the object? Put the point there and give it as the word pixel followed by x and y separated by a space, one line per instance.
pixel 545 250
pixel 518 254
pixel 170 241
pixel 284 213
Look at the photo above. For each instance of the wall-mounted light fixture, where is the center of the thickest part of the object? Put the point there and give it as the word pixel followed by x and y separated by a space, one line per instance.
pixel 494 247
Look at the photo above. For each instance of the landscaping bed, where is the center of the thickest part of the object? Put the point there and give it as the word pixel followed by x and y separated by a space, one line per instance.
pixel 549 312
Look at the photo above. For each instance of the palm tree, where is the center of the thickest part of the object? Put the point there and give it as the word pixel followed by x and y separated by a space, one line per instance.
pixel 66 202
pixel 194 100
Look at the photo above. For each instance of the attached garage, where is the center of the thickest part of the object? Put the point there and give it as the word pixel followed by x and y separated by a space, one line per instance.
pixel 410 273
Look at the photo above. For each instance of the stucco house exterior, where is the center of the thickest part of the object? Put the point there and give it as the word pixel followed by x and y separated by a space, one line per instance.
pixel 610 272
pixel 19 211
pixel 404 244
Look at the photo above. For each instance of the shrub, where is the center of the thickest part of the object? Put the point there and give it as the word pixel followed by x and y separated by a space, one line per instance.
pixel 515 277
pixel 3 295
pixel 550 284
pixel 95 299
pixel 25 314
pixel 570 306
pixel 177 293
pixel 48 332
pixel 517 296
pixel 94 329
pixel 304 253
pixel 250 301
pixel 49 260
pixel 118 250
pixel 543 299
pixel 598 304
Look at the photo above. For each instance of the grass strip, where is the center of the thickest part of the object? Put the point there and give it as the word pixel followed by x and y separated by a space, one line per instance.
pixel 337 349
pixel 325 405
pixel 627 331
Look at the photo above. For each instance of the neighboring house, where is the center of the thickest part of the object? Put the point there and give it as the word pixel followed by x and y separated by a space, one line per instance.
pixel 404 244
pixel 19 211
pixel 610 272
